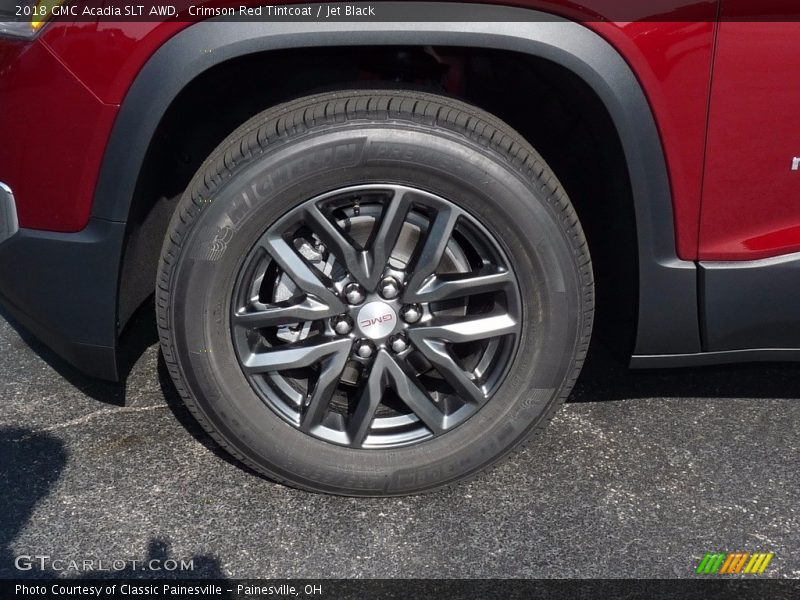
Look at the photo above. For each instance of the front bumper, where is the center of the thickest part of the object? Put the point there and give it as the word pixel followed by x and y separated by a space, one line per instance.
pixel 62 287
pixel 8 213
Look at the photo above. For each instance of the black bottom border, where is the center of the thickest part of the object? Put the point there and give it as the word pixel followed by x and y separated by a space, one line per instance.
pixel 71 588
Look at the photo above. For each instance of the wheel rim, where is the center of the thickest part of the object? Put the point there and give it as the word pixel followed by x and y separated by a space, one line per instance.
pixel 376 316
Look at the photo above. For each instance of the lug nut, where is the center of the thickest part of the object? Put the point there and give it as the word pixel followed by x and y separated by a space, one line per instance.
pixel 365 349
pixel 411 313
pixel 342 325
pixel 354 293
pixel 389 288
pixel 398 344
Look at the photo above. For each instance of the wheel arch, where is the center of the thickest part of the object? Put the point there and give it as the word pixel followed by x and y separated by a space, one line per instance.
pixel 666 284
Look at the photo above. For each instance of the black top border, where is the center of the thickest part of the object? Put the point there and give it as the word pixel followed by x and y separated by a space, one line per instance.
pixel 627 11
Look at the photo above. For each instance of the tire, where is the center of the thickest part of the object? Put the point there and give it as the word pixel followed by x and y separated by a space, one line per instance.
pixel 293 220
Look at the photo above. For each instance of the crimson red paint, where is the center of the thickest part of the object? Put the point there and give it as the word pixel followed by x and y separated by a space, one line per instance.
pixel 751 198
pixel 54 132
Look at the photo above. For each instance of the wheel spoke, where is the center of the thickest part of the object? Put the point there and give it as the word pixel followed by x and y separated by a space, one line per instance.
pixel 259 315
pixel 439 356
pixel 319 399
pixel 394 215
pixel 433 247
pixel 470 330
pixel 433 340
pixel 386 372
pixel 299 271
pixel 414 397
pixel 356 261
pixel 294 356
pixel 447 287
pixel 368 401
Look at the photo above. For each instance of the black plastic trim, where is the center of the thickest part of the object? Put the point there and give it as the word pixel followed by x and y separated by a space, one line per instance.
pixel 749 313
pixel 62 287
pixel 668 320
pixel 751 304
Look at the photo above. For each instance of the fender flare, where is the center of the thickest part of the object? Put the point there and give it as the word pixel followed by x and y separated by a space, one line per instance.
pixel 668 303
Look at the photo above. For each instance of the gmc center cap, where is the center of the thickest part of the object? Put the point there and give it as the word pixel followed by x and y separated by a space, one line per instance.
pixel 376 320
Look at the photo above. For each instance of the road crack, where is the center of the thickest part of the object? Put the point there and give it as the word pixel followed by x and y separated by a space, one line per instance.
pixel 90 417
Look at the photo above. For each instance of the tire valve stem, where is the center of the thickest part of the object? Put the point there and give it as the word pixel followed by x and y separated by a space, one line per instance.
pixel 357 206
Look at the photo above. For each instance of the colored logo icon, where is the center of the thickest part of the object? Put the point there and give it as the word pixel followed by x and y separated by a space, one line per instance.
pixel 734 563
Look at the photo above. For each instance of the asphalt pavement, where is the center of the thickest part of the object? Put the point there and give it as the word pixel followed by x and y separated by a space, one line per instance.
pixel 639 475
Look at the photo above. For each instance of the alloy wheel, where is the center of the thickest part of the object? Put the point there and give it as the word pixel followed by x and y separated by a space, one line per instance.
pixel 376 316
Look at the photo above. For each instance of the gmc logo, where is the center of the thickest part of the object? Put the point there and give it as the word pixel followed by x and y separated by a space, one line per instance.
pixel 382 319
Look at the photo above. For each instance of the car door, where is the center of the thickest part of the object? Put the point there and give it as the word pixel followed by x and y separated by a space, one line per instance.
pixel 750 203
pixel 751 192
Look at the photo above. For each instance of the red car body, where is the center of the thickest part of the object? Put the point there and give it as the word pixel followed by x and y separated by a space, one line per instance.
pixel 719 78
